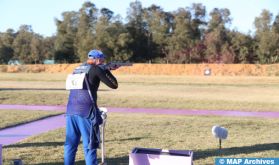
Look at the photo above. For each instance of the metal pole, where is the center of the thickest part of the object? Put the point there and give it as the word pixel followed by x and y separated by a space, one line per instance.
pixel 220 143
pixel 103 142
pixel 102 129
pixel 0 154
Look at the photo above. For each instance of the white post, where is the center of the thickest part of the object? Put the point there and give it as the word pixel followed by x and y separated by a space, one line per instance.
pixel 104 116
pixel 103 142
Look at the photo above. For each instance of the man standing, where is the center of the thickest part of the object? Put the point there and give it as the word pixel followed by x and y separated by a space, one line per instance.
pixel 83 116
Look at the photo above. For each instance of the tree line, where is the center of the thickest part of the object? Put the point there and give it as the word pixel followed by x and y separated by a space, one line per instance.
pixel 186 35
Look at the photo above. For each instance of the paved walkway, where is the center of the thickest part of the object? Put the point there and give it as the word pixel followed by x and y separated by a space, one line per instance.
pixel 196 112
pixel 18 133
pixel 15 134
pixel 33 107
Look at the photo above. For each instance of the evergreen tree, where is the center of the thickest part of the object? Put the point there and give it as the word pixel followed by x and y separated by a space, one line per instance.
pixel 48 49
pixel 6 54
pixel 267 38
pixel 86 29
pixel 157 27
pixel 243 47
pixel 150 34
pixel 185 44
pixel 6 46
pixel 22 44
pixel 112 37
pixel 180 41
pixel 66 33
pixel 135 27
pixel 36 47
pixel 216 40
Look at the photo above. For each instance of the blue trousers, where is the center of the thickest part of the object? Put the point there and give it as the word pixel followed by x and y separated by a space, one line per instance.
pixel 77 127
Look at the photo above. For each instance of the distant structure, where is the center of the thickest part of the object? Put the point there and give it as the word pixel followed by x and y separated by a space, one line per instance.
pixel 207 71
pixel 49 62
pixel 14 62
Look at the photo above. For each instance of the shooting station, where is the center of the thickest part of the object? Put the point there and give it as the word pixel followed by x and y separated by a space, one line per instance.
pixel 151 156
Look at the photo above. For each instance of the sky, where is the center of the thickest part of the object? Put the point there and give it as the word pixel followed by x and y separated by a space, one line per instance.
pixel 40 14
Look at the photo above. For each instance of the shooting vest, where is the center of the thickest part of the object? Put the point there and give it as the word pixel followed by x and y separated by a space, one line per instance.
pixel 80 102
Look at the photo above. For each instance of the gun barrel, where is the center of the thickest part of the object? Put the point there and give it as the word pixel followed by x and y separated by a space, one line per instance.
pixel 120 64
pixel 116 64
pixel 124 64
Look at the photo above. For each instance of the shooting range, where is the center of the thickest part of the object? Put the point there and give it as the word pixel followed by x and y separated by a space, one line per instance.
pixel 189 82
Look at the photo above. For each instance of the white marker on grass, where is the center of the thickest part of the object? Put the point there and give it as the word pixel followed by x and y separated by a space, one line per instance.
pixel 220 133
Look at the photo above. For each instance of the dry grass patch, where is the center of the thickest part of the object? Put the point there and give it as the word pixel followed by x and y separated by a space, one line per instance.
pixel 181 92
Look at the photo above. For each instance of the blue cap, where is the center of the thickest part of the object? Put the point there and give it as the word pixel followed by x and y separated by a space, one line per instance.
pixel 96 54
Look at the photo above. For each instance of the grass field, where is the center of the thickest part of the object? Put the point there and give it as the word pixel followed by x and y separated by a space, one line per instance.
pixel 10 118
pixel 181 92
pixel 248 137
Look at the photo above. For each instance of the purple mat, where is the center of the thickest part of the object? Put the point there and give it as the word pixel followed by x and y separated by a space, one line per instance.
pixel 33 107
pixel 18 133
pixel 196 112
pixel 154 111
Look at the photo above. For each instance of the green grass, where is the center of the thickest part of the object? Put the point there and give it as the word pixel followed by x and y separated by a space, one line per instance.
pixel 248 137
pixel 10 118
pixel 180 92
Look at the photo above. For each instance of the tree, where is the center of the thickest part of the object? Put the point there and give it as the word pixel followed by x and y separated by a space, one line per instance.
pixel 5 54
pixel 198 13
pixel 86 29
pixel 135 27
pixel 36 51
pixel 21 44
pixel 6 46
pixel 112 37
pixel 219 19
pixel 66 32
pixel 275 25
pixel 157 28
pixel 243 47
pixel 185 44
pixel 48 49
pixel 180 40
pixel 216 37
pixel 267 38
pixel 275 31
pixel 8 37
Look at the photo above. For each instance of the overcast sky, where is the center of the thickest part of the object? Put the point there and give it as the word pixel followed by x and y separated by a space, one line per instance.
pixel 40 14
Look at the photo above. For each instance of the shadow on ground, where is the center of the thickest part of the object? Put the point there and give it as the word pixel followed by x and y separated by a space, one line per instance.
pixel 110 161
pixel 44 144
pixel 202 154
pixel 55 144
pixel 199 154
